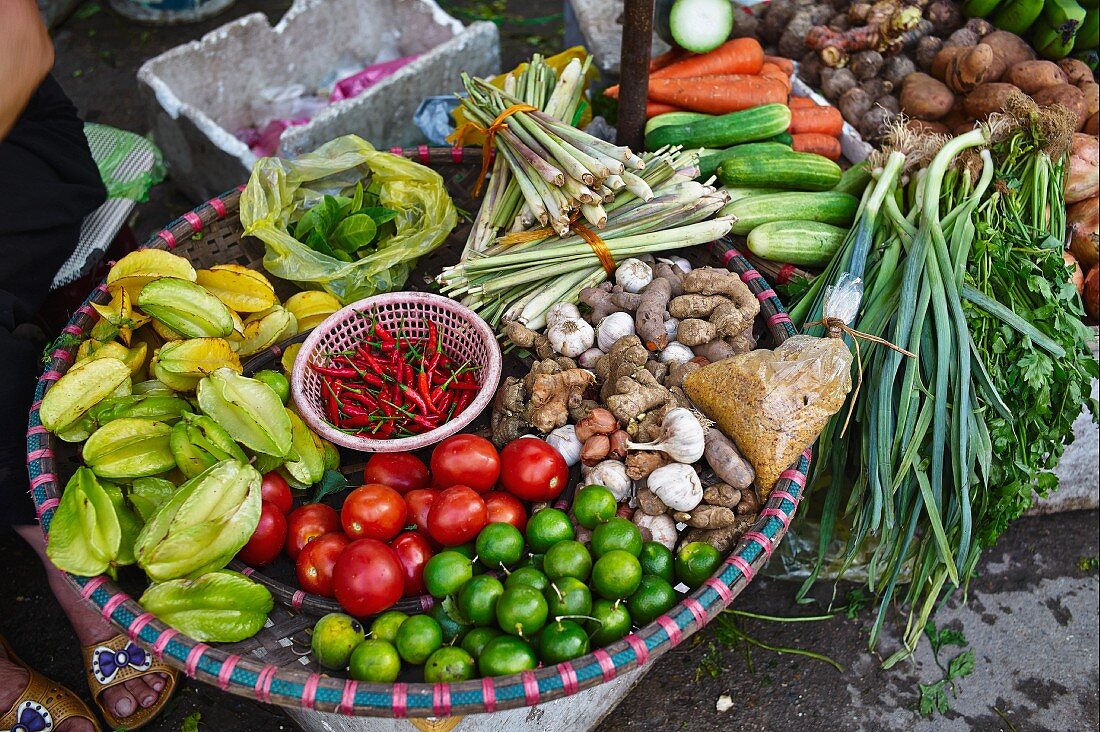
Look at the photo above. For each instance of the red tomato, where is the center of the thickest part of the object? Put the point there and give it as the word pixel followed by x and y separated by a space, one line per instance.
pixel 414 551
pixel 533 470
pixel 268 538
pixel 368 577
pixel 277 490
pixel 317 560
pixel 466 460
pixel 456 516
pixel 306 523
pixel 373 512
pixel 418 502
pixel 401 471
pixel 505 508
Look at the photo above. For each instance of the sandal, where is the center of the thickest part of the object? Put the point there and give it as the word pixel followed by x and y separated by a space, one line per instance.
pixel 120 659
pixel 44 704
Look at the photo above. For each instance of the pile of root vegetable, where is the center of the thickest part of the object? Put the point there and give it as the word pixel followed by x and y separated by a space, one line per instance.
pixel 607 390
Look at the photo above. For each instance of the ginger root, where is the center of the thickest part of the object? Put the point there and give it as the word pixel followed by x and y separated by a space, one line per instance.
pixel 532 340
pixel 625 357
pixel 650 503
pixel 707 517
pixel 721 494
pixel 636 395
pixel 552 392
pixel 652 312
pixel 694 306
pixel 641 463
pixel 723 539
pixel 749 505
pixel 507 422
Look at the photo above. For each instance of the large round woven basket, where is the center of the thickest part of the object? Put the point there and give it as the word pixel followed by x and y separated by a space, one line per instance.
pixel 268 667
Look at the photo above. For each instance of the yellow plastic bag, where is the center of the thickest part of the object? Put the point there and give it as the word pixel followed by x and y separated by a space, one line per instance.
pixel 279 191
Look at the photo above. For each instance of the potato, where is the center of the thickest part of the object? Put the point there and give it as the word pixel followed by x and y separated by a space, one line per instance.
pixel 1069 97
pixel 957 115
pixel 922 127
pixel 1082 181
pixel 1031 76
pixel 1092 96
pixel 1076 71
pixel 925 98
pixel 1092 127
pixel 970 68
pixel 1009 47
pixel 988 98
pixel 943 61
pixel 1083 225
pixel 853 104
pixel 1092 293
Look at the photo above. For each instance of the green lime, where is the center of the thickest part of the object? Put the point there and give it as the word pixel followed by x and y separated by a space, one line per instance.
pixel 467 550
pixel 562 641
pixel 657 559
pixel 528 576
pixel 375 660
pixel 446 572
pixel 616 574
pixel 477 600
pixel 452 627
pixel 654 597
pixel 616 533
pixel 474 641
pixel 695 562
pixel 521 610
pixel 567 559
pixel 499 543
pixel 546 528
pixel 385 625
pixel 334 638
pixel 612 621
pixel 278 383
pixel 593 505
pixel 506 655
pixel 534 640
pixel 568 596
pixel 418 637
pixel 449 664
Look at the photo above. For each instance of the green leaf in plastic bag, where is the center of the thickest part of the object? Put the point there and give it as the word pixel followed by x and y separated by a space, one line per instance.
pixel 355 232
pixel 380 214
pixel 221 607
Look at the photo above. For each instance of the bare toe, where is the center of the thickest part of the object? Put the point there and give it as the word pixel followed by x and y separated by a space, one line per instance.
pixel 141 691
pixel 75 724
pixel 119 700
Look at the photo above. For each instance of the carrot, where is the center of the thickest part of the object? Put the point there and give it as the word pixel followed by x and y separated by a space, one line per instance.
pixel 652 109
pixel 738 56
pixel 668 57
pixel 718 94
pixel 826 120
pixel 772 71
pixel 784 63
pixel 797 102
pixel 817 143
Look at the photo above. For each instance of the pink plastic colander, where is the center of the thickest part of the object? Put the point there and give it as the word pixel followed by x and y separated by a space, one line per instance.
pixel 463 335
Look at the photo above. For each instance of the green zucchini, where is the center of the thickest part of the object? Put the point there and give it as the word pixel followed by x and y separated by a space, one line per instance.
pixel 674 118
pixel 748 125
pixel 826 207
pixel 708 164
pixel 805 243
pixel 787 171
pixel 783 137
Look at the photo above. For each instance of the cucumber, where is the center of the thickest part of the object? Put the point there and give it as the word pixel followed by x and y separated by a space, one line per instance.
pixel 805 243
pixel 748 125
pixel 673 118
pixel 827 207
pixel 854 180
pixel 708 164
pixel 783 137
pixel 695 25
pixel 786 171
pixel 736 194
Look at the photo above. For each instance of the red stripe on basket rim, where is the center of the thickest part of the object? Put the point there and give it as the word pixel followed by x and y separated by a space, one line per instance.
pixel 51 375
pixel 263 683
pixel 36 430
pixel 38 454
pixel 422 151
pixel 169 238
pixel 441 699
pixel 62 355
pixel 767 294
pixel 400 700
pixel 225 674
pixel 194 219
pixel 749 276
pixel 456 154
pixel 763 540
pixel 720 587
pixel 309 691
pixel 697 611
pixel 784 274
pixel 641 651
pixel 347 699
pixel 47 505
pixel 74 330
pixel 193 656
pixel 745 567
pixel 296 599
pixel 778 513
pixel 218 205
pixel 111 605
pixel 799 479
pixel 728 255
pixel 607 666
pixel 248 571
pixel 672 628
pixel 138 624
pixel 93 584
pixel 488 695
pixel 102 287
pixel 397 150
pixel 784 496
pixel 427 602
pixel 162 641
pixel 530 688
pixel 40 480
pixel 242 186
pixel 35 405
pixel 778 318
pixel 568 677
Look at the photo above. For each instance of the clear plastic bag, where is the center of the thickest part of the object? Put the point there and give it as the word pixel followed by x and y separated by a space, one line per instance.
pixel 279 191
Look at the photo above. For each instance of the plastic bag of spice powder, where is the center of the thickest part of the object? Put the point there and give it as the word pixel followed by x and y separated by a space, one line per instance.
pixel 774 404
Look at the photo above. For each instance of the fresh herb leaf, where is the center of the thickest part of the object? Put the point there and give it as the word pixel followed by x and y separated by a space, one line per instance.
pixel 960 666
pixel 355 232
pixel 357 197
pixel 317 242
pixel 950 637
pixel 331 482
pixel 933 698
pixel 191 722
pixel 380 214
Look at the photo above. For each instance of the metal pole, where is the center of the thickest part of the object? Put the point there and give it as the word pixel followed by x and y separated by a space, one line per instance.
pixel 634 71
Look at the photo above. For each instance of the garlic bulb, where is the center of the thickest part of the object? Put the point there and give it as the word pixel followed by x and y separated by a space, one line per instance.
pixel 681 438
pixel 677 262
pixel 677 485
pixel 571 336
pixel 611 474
pixel 633 274
pixel 588 359
pixel 564 440
pixel 671 326
pixel 612 328
pixel 676 352
pixel 662 529
pixel 561 311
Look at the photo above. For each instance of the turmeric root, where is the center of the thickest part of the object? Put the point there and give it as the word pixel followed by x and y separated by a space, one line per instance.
pixel 599 299
pixel 707 517
pixel 650 503
pixel 726 460
pixel 749 504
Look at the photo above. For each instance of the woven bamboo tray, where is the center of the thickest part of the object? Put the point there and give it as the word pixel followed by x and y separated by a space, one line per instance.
pixel 273 666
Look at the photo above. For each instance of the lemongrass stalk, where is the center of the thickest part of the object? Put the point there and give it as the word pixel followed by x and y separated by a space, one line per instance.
pixel 615 181
pixel 527 187
pixel 543 167
pixel 606 194
pixel 589 162
pixel 570 164
pixel 558 105
pixel 580 192
pixel 594 215
pixel 637 186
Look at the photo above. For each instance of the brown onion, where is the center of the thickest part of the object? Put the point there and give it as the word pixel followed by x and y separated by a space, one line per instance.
pixel 1078 275
pixel 1083 222
pixel 1083 174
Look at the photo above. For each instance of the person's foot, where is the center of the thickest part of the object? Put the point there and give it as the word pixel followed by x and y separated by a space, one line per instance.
pixel 13 682
pixel 123 699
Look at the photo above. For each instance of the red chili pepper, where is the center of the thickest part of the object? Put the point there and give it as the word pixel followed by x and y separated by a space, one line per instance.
pixel 429 422
pixel 359 420
pixel 464 386
pixel 446 401
pixel 386 341
pixel 433 338
pixel 416 399
pixel 332 411
pixel 364 399
pixel 422 383
pixel 433 363
pixel 336 373
pixel 463 400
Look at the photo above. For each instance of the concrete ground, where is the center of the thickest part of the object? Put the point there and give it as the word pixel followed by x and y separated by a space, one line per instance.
pixel 1030 620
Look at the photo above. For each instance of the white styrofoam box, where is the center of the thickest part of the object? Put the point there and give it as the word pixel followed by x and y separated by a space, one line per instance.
pixel 199 93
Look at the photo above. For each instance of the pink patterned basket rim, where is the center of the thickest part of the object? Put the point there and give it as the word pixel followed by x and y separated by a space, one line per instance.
pixel 490 373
